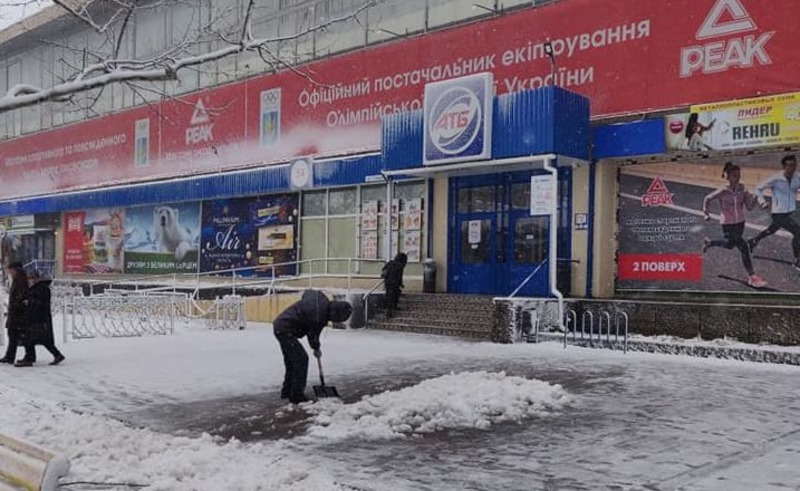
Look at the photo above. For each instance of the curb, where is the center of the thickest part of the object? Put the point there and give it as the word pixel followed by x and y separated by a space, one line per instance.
pixel 755 355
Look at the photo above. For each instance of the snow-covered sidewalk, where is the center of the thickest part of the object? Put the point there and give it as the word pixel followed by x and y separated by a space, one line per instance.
pixel 485 416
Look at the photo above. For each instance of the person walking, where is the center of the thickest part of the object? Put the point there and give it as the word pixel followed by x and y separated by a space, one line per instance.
pixel 39 320
pixel 15 320
pixel 305 318
pixel 733 200
pixel 392 275
pixel 784 186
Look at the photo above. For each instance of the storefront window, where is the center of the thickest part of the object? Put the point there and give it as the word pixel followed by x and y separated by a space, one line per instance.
pixel 356 222
pixel 521 196
pixel 530 239
pixel 342 201
pixel 476 200
pixel 475 241
pixel 314 203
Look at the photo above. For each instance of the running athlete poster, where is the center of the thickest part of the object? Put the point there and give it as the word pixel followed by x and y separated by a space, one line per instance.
pixel 727 226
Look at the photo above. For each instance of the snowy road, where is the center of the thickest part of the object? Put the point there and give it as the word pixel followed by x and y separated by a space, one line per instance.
pixel 635 422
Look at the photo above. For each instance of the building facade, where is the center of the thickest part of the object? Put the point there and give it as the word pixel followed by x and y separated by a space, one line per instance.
pixel 433 129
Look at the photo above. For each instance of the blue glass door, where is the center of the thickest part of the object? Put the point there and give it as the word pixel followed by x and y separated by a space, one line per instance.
pixel 494 242
pixel 473 239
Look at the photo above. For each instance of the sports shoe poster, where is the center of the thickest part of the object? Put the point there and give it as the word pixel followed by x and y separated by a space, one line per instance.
pixel 728 226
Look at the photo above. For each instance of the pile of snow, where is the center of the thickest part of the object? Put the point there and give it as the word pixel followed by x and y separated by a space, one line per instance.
pixel 463 400
pixel 103 451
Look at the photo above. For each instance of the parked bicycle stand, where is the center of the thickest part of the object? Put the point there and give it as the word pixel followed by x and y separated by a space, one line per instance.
pixel 604 320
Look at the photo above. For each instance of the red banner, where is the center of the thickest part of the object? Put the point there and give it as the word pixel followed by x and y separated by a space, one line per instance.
pixel 660 267
pixel 74 242
pixel 627 56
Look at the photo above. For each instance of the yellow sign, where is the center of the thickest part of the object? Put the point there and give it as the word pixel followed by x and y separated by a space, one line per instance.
pixel 747 123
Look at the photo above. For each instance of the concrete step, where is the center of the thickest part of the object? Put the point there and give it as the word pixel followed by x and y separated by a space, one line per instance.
pixel 455 322
pixel 481 334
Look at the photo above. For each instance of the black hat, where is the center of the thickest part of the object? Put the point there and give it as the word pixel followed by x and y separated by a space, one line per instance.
pixel 339 311
pixel 16 265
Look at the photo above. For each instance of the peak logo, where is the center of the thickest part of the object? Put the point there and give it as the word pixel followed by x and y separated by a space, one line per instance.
pixel 725 19
pixel 657 194
pixel 201 129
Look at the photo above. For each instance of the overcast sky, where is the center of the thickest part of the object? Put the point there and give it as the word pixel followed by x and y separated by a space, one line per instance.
pixel 11 11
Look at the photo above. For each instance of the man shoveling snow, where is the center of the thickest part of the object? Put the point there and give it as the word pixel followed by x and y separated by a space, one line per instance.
pixel 307 317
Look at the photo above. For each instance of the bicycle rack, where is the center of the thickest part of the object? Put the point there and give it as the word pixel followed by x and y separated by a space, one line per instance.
pixel 572 319
pixel 591 326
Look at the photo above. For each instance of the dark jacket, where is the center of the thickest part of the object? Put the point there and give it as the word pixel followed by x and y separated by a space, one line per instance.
pixel 305 317
pixel 392 273
pixel 39 315
pixel 16 308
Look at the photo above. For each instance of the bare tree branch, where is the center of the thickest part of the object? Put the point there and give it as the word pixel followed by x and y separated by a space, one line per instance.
pixel 165 66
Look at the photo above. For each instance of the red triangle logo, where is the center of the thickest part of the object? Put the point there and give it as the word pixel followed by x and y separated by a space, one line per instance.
pixel 657 187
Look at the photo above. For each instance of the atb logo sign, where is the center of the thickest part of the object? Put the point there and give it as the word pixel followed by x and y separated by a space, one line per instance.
pixel 657 194
pixel 458 116
pixel 201 128
pixel 724 44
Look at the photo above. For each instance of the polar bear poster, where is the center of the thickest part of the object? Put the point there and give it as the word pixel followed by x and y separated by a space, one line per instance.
pixel 169 235
pixel 162 238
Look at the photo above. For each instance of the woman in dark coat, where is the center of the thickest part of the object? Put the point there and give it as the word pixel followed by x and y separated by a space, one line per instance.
pixel 39 319
pixel 392 275
pixel 15 321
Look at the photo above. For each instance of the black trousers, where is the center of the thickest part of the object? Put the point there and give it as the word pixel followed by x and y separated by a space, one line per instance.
pixel 733 238
pixel 30 350
pixel 14 340
pixel 392 297
pixel 782 221
pixel 295 360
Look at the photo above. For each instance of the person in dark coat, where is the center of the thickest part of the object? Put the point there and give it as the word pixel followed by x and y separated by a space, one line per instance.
pixel 15 321
pixel 392 275
pixel 306 317
pixel 39 322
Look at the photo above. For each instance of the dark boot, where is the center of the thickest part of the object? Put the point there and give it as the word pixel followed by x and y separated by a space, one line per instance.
pixel 58 359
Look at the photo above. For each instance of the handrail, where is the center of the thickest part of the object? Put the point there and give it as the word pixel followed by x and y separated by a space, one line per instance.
pixel 526 280
pixel 365 299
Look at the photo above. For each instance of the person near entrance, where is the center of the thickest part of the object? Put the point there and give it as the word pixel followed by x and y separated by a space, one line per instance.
pixel 15 321
pixel 733 199
pixel 306 317
pixel 39 322
pixel 784 186
pixel 392 275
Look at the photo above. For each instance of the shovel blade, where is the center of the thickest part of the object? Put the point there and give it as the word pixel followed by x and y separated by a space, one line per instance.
pixel 322 391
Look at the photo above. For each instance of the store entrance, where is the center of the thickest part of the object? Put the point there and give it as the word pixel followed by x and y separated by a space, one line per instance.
pixel 494 242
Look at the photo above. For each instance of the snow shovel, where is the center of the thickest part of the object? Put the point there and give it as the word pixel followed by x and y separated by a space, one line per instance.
pixel 323 390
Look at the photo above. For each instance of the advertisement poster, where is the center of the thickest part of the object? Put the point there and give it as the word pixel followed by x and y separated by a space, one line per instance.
pixel 162 239
pixel 274 219
pixel 73 242
pixel 749 123
pixel 413 215
pixel 369 216
pixel 395 214
pixel 93 242
pixel 227 237
pixel 411 245
pixel 665 241
pixel 369 245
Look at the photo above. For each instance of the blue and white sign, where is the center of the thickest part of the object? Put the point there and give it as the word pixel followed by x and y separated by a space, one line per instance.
pixel 458 120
